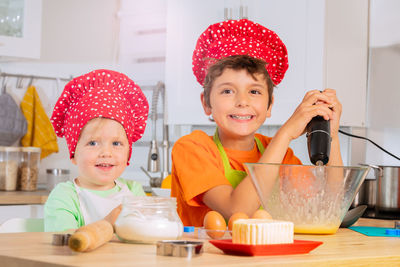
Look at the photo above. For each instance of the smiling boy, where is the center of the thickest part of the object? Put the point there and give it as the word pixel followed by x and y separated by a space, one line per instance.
pixel 239 63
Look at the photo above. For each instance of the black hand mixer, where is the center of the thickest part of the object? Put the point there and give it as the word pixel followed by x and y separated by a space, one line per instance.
pixel 319 140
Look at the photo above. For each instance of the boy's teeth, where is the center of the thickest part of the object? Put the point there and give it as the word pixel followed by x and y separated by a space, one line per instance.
pixel 241 117
pixel 104 165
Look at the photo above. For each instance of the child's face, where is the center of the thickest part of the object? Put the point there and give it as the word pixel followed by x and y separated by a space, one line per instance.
pixel 101 153
pixel 239 103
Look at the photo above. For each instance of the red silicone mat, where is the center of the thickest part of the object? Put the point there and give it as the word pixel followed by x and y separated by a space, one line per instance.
pixel 297 247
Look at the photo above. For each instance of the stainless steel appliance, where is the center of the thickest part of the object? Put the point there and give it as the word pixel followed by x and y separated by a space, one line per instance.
pixel 382 194
pixel 366 194
pixel 388 189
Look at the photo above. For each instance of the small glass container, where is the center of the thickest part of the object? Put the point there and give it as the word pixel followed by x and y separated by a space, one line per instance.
pixel 189 232
pixel 204 234
pixel 9 162
pixel 148 220
pixel 29 168
pixel 55 176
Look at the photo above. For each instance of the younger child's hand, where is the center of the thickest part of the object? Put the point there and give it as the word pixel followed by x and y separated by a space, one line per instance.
pixel 314 103
pixel 113 215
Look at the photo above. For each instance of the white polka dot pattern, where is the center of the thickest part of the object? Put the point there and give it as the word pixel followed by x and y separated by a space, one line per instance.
pixel 240 37
pixel 100 93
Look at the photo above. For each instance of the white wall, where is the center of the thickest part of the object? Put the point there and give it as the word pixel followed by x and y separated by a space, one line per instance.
pixel 384 82
pixel 79 36
pixel 74 40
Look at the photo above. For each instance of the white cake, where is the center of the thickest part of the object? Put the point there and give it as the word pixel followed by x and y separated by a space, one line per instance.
pixel 262 232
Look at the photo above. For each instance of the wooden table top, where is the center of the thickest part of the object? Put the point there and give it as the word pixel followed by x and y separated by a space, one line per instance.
pixel 346 247
pixel 23 197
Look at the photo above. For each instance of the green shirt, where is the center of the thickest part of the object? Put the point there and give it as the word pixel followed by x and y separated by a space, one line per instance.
pixel 62 210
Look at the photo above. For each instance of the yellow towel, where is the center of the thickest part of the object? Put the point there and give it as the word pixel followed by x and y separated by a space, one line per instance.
pixel 40 131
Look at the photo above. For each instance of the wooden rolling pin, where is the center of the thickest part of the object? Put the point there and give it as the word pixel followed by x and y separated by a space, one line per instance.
pixel 92 236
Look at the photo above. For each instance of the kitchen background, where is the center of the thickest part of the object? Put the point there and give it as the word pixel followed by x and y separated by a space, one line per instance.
pixel 352 46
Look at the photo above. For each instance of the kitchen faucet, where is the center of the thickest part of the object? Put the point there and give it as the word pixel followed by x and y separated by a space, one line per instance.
pixel 153 162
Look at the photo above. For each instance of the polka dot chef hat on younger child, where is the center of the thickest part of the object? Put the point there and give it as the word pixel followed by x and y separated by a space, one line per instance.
pixel 240 37
pixel 100 93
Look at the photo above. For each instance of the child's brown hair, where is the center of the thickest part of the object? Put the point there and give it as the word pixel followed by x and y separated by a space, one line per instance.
pixel 237 62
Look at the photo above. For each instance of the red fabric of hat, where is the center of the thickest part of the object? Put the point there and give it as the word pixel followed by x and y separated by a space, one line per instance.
pixel 240 37
pixel 100 93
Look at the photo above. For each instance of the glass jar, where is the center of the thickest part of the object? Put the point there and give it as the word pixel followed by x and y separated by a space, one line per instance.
pixel 148 219
pixel 29 168
pixel 55 176
pixel 9 162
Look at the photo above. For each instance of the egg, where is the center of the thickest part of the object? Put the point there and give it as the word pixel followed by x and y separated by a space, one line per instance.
pixel 261 214
pixel 236 216
pixel 214 221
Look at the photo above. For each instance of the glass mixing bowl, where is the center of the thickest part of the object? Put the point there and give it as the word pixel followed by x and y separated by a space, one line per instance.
pixel 314 198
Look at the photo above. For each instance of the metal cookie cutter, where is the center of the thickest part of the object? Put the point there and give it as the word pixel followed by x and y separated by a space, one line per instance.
pixel 179 248
pixel 60 239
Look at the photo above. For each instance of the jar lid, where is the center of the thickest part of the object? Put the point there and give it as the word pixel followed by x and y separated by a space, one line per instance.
pixel 57 171
pixel 31 149
pixel 188 229
pixel 9 149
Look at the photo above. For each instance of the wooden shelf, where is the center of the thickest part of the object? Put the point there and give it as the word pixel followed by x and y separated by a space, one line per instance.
pixel 23 197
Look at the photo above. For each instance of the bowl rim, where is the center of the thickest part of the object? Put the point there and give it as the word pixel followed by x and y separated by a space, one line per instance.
pixel 304 165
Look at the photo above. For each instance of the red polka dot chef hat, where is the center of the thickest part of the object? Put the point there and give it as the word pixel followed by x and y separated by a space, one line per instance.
pixel 240 37
pixel 100 93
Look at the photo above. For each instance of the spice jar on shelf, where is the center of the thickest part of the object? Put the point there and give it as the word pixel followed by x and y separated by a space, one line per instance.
pixel 55 176
pixel 29 168
pixel 9 162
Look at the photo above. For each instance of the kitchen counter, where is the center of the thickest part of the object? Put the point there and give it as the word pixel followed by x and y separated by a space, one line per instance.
pixel 40 196
pixel 23 197
pixel 346 247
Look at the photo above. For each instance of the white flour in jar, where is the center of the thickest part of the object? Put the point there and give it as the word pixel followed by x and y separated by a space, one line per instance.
pixel 134 229
pixel 8 175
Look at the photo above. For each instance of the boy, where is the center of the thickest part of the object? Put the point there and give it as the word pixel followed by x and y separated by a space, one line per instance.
pixel 238 63
pixel 100 114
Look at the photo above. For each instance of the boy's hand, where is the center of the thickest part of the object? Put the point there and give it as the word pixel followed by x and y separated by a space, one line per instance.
pixel 314 103
pixel 336 108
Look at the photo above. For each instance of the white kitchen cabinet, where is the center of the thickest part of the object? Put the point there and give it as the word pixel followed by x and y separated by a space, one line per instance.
pixel 20 28
pixel 186 20
pixel 327 47
pixel 300 26
pixel 346 57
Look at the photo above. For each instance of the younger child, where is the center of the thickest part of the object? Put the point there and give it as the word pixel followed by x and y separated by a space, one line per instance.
pixel 100 114
pixel 239 63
